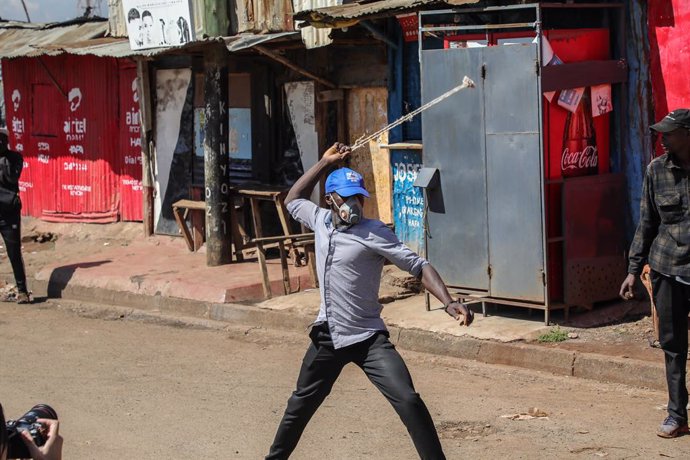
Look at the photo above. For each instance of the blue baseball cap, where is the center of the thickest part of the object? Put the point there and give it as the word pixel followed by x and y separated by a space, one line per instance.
pixel 346 182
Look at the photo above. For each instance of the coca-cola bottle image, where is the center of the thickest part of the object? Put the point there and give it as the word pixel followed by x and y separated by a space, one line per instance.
pixel 580 156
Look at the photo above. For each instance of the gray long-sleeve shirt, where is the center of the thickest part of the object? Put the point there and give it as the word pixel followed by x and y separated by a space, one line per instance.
pixel 349 264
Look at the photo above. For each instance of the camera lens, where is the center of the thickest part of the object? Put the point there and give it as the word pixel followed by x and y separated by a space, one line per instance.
pixel 41 411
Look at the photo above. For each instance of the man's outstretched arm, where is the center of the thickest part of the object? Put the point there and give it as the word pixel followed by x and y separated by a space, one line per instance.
pixel 433 283
pixel 305 184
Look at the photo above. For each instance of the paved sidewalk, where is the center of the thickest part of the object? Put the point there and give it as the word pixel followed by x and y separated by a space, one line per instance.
pixel 159 277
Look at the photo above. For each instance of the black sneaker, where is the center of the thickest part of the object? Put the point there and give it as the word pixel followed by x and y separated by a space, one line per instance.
pixel 671 428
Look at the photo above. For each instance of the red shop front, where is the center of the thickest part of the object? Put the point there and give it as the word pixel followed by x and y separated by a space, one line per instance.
pixel 75 119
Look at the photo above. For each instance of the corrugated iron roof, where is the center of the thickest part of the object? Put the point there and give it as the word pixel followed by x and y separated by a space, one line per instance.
pixel 244 41
pixel 332 15
pixel 32 40
pixel 88 38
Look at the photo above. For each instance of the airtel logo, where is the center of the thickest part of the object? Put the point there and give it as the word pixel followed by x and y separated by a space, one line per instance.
pixel 135 91
pixel 16 99
pixel 74 99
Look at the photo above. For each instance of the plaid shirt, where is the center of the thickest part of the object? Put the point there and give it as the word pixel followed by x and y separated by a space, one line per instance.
pixel 662 238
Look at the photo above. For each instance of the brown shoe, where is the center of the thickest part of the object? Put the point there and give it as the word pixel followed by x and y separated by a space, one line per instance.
pixel 671 428
pixel 24 297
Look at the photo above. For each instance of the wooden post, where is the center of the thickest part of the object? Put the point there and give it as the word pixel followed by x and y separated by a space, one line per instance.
pixel 144 90
pixel 217 178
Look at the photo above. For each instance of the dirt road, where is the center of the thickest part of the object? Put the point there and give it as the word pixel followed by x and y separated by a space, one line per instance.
pixel 125 389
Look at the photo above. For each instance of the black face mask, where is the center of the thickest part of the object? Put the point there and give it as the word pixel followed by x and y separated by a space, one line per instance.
pixel 350 212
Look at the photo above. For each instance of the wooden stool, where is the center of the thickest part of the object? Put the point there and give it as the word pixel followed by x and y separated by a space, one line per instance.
pixel 181 209
pixel 306 239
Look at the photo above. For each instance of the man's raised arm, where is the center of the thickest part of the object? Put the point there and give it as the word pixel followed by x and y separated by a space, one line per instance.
pixel 305 184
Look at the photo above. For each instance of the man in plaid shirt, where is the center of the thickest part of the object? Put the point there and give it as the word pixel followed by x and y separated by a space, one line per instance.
pixel 662 240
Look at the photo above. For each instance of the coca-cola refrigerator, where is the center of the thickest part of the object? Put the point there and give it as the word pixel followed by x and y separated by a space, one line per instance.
pixel 517 174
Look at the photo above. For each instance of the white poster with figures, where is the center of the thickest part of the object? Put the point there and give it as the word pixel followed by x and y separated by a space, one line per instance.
pixel 158 23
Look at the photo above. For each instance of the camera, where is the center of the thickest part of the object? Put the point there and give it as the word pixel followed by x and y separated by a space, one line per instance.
pixel 27 422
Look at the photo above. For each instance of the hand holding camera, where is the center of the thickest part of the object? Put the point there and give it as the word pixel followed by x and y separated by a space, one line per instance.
pixel 35 435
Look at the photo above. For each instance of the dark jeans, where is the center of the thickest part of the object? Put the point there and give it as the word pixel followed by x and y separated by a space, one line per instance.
pixel 384 367
pixel 10 228
pixel 672 300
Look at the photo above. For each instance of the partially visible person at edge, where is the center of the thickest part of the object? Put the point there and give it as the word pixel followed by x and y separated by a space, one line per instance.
pixel 350 253
pixel 51 450
pixel 662 240
pixel 11 164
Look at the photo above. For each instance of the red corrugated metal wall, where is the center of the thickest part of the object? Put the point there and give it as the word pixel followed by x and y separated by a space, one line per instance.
pixel 130 145
pixel 68 116
pixel 669 43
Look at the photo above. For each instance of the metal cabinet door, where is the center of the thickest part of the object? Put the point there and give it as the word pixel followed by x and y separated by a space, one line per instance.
pixel 453 136
pixel 514 173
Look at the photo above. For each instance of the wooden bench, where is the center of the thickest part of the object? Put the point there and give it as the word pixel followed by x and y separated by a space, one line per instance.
pixel 181 209
pixel 305 240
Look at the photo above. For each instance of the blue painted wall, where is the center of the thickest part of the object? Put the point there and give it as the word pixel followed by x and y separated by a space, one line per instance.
pixel 404 96
pixel 637 143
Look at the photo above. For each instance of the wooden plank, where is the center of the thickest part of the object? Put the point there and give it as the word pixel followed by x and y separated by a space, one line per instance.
pixel 240 90
pixel 262 194
pixel 273 239
pixel 265 281
pixel 190 204
pixel 197 219
pixel 147 182
pixel 238 234
pixel 330 95
pixel 311 263
pixel 287 63
pixel 285 223
pixel 402 146
pixel 183 228
pixel 284 267
pixel 366 112
pixel 581 74
pixel 256 217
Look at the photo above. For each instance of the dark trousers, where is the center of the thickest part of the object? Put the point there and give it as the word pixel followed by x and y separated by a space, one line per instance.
pixel 384 367
pixel 672 300
pixel 10 228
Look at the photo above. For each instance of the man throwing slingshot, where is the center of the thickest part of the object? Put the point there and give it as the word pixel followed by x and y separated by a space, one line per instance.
pixel 350 252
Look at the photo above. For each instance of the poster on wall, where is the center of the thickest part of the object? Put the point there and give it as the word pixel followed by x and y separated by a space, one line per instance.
pixel 158 23
pixel 301 104
pixel 408 200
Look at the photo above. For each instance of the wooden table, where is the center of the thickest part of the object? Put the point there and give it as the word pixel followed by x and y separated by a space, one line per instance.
pixel 254 195
pixel 240 237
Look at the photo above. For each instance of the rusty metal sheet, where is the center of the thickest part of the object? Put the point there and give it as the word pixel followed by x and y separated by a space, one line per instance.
pixel 311 36
pixel 18 41
pixel 367 110
pixel 244 41
pixel 335 13
pixel 263 16
pixel 86 38
pixel 117 23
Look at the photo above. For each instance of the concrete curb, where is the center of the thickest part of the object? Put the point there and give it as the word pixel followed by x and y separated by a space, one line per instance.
pixel 237 318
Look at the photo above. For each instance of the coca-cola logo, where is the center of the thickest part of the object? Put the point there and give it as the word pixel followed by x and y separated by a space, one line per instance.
pixel 586 158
